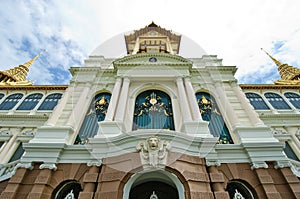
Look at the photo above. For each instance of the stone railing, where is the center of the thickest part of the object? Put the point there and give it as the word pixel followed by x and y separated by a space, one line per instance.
pixel 7 170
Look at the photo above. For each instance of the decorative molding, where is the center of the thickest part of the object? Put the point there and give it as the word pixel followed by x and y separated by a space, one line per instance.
pixel 212 163
pixel 5 133
pixel 259 165
pixel 153 151
pixel 282 164
pixel 97 163
pixel 28 165
pixel 50 166
pixel 28 133
pixel 279 132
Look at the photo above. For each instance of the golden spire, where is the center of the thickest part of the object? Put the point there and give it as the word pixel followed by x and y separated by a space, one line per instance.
pixel 278 63
pixel 17 75
pixel 289 74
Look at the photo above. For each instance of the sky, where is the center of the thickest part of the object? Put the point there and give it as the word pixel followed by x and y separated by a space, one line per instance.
pixel 67 31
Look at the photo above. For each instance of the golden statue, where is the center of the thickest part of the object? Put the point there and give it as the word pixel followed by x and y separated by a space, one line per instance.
pixel 17 75
pixel 289 75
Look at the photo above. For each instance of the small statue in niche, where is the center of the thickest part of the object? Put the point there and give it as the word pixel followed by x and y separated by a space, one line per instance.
pixel 153 151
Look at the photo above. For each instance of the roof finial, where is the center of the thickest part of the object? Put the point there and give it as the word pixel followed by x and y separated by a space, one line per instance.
pixel 30 62
pixel 17 75
pixel 278 63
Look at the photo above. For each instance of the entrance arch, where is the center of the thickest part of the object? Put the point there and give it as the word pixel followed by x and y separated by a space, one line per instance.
pixel 158 182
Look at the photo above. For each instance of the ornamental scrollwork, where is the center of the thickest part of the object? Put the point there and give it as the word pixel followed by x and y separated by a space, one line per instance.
pixel 153 104
pixel 99 108
pixel 207 106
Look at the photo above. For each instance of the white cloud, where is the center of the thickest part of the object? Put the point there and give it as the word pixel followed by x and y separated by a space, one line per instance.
pixel 70 30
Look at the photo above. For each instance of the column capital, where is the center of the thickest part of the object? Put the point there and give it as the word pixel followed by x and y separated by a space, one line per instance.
pixel 126 79
pixel 187 78
pixel 179 79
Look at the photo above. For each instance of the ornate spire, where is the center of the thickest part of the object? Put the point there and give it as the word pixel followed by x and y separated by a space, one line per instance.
pixel 17 75
pixel 278 63
pixel 289 74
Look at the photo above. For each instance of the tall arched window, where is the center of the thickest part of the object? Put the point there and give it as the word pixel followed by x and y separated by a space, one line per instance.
pixel 276 101
pixel 210 112
pixel 11 101
pixel 257 101
pixel 294 99
pixel 153 110
pixel 96 113
pixel 50 102
pixel 30 102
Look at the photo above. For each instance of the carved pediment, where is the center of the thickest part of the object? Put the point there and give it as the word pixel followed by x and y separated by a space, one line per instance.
pixel 152 59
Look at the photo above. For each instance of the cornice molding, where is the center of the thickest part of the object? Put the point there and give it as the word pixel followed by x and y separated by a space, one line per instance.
pixel 268 86
pixel 42 87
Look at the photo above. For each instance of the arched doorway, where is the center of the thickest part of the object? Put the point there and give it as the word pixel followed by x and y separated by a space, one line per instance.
pixel 155 184
pixel 159 189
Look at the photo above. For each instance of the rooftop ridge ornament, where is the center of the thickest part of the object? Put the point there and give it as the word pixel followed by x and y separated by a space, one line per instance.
pixel 289 75
pixel 17 75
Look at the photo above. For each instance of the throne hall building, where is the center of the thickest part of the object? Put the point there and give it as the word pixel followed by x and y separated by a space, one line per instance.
pixel 150 115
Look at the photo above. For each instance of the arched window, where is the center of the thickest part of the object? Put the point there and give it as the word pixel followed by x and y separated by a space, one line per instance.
pixel 153 110
pixel 276 101
pixel 67 189
pixel 11 101
pixel 290 152
pixel 257 101
pixel 1 95
pixel 210 112
pixel 18 153
pixel 294 99
pixel 239 189
pixel 30 102
pixel 50 102
pixel 96 113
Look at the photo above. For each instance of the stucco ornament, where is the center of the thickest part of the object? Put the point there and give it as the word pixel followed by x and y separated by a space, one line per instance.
pixel 153 151
pixel 238 195
pixel 70 195
pixel 153 195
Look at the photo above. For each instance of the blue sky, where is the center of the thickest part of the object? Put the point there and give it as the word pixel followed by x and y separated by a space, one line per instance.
pixel 68 31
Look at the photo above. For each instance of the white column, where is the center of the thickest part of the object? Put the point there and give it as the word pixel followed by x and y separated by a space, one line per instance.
pixel 122 100
pixel 78 112
pixel 192 99
pixel 184 106
pixel 253 116
pixel 59 107
pixel 8 145
pixel 113 101
pixel 226 105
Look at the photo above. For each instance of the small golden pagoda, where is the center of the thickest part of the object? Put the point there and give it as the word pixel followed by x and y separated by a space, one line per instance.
pixel 289 75
pixel 17 75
